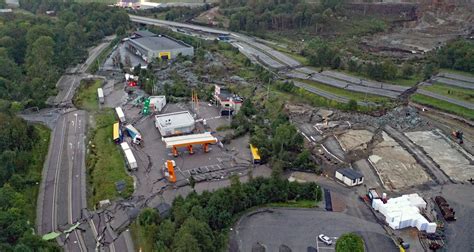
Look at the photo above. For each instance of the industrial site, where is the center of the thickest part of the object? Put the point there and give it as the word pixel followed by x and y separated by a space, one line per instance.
pixel 221 126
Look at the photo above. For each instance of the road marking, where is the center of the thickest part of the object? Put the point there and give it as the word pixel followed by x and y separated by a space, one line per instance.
pixel 56 178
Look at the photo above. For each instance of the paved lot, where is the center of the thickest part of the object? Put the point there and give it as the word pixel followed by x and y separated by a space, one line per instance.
pixel 298 229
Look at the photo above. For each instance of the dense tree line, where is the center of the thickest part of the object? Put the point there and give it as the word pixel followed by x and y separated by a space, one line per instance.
pixel 35 50
pixel 458 55
pixel 199 222
pixel 18 176
pixel 261 15
pixel 271 132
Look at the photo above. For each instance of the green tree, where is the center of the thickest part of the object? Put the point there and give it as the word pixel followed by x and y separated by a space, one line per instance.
pixel 148 216
pixel 429 70
pixel 350 243
pixel 39 59
pixel 407 70
pixel 389 70
pixel 352 105
pixel 185 242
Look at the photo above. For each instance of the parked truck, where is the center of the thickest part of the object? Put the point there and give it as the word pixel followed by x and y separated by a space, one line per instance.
pixel 100 94
pixel 120 114
pixel 134 134
pixel 131 161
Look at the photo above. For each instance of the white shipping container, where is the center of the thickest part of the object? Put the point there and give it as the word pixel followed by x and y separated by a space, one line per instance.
pixel 120 114
pixel 131 161
pixel 100 94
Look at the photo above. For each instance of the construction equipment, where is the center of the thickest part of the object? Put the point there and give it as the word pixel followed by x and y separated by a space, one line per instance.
pixel 168 170
pixel 458 135
pixel 195 100
pixel 146 107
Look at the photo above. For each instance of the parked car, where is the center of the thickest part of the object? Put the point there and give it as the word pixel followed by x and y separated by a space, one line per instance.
pixel 325 239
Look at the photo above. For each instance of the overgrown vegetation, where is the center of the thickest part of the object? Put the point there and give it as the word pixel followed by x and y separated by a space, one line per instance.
pixel 350 243
pixel 105 162
pixel 200 222
pixel 86 97
pixel 23 149
pixel 457 55
pixel 442 105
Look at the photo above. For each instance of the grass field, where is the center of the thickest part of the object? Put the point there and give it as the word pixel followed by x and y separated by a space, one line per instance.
pixel 346 93
pixel 39 153
pixel 295 203
pixel 86 98
pixel 458 93
pixel 105 162
pixel 456 72
pixel 442 105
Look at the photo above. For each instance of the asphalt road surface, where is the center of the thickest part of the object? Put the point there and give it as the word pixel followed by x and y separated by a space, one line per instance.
pixel 62 196
pixel 298 229
pixel 456 83
pixel 458 80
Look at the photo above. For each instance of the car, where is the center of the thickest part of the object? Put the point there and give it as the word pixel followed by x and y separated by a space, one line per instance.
pixel 325 239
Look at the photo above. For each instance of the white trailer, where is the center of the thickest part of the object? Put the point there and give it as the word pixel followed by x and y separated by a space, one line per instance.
pixel 125 146
pixel 100 94
pixel 157 103
pixel 131 161
pixel 120 114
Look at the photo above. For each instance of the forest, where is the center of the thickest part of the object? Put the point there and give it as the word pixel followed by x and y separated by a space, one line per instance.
pixel 262 15
pixel 200 222
pixel 34 51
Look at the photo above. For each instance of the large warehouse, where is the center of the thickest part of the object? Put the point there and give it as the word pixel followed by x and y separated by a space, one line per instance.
pixel 174 123
pixel 150 46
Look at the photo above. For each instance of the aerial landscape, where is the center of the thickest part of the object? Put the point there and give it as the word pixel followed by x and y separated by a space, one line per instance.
pixel 237 125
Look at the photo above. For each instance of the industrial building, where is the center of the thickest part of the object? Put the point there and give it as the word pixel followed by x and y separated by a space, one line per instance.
pixel 174 123
pixel 150 46
pixel 349 177
pixel 229 103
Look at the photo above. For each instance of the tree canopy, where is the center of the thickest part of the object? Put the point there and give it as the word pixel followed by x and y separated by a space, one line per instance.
pixel 350 243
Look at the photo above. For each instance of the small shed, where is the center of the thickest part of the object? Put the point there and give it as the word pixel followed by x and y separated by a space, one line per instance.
pixel 350 177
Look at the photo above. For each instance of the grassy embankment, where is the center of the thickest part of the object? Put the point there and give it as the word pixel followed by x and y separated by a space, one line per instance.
pixel 105 162
pixel 347 93
pixel 444 106
pixel 458 93
pixel 38 153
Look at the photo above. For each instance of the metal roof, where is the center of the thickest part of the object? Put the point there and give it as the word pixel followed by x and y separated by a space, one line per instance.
pixel 173 120
pixel 189 140
pixel 350 173
pixel 158 43
pixel 144 33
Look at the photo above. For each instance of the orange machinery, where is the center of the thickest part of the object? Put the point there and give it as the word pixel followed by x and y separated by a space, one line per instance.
pixel 169 170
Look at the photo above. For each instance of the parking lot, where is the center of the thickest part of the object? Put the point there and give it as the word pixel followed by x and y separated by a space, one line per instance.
pixel 298 229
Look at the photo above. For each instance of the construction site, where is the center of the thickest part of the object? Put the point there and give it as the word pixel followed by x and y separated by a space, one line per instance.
pixel 362 159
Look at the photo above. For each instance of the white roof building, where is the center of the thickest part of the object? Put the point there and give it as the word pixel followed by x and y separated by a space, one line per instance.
pixel 174 123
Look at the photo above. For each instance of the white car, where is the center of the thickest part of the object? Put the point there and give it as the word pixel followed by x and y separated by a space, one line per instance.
pixel 325 239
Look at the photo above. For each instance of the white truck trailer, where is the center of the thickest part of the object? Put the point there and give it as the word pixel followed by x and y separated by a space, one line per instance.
pixel 131 161
pixel 120 114
pixel 100 94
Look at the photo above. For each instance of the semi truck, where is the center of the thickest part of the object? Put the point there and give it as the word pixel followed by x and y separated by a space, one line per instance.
pixel 100 94
pixel 134 134
pixel 120 114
